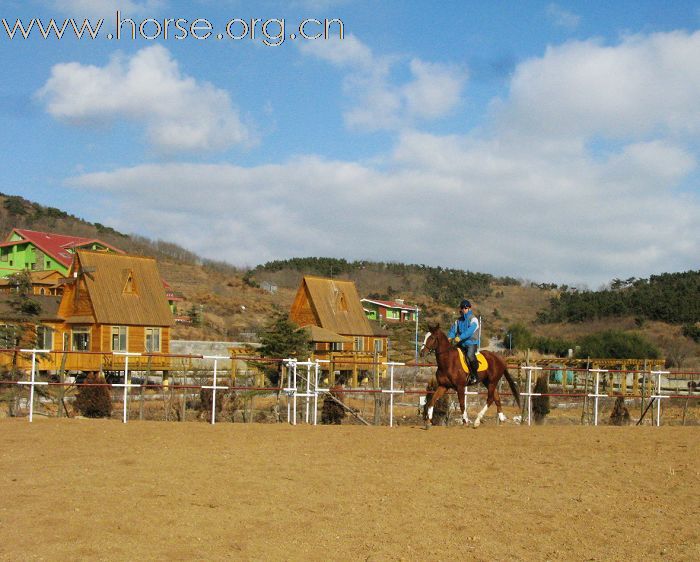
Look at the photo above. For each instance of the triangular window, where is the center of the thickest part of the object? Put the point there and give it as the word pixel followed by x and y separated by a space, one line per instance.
pixel 130 283
pixel 341 302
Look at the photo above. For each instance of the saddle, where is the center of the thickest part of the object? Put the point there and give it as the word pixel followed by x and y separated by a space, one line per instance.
pixel 483 363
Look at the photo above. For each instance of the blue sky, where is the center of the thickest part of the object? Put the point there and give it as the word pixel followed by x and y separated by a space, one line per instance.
pixel 552 141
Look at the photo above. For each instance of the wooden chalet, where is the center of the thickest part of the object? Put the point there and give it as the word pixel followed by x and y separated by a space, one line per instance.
pixel 331 312
pixel 43 283
pixel 110 303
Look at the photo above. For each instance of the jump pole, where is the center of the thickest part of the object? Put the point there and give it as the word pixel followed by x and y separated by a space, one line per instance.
pixel 391 390
pixel 126 384
pixel 32 382
pixel 214 388
pixel 529 392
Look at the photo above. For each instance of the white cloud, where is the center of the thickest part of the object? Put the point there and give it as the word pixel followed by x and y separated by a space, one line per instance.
pixel 178 112
pixel 482 207
pixel 562 17
pixel 648 83
pixel 433 91
pixel 533 193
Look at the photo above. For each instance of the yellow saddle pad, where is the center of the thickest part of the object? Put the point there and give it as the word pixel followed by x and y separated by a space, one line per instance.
pixel 483 363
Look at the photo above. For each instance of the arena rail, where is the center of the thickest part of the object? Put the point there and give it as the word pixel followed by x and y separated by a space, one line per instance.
pixel 299 385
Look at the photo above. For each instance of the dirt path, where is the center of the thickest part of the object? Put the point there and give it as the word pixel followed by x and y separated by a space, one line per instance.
pixel 95 489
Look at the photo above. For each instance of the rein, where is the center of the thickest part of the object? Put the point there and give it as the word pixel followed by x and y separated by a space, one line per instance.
pixel 446 349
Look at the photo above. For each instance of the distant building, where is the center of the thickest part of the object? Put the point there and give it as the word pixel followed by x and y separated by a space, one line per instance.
pixel 390 311
pixel 44 251
pixel 331 312
pixel 43 283
pixel 110 303
pixel 269 287
pixel 48 257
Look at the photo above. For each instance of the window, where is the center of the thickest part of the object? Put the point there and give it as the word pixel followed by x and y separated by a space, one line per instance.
pixel 336 346
pixel 44 337
pixel 153 340
pixel 359 343
pixel 378 346
pixel 119 334
pixel 130 284
pixel 81 338
pixel 393 314
pixel 48 264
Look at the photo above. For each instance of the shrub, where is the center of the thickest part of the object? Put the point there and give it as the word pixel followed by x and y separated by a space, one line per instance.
pixel 540 404
pixel 617 344
pixel 620 415
pixel 332 412
pixel 517 337
pixel 206 396
pixel 94 401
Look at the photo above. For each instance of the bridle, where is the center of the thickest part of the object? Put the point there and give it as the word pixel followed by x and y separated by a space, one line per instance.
pixel 434 350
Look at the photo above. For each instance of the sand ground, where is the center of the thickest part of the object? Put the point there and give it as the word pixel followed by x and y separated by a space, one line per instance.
pixel 84 489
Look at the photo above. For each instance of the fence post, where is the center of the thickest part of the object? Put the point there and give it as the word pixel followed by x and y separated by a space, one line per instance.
pixel 32 382
pixel 391 390
pixel 529 392
pixel 658 396
pixel 213 387
pixel 126 383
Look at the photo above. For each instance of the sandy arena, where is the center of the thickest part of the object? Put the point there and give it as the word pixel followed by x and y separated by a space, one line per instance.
pixel 102 490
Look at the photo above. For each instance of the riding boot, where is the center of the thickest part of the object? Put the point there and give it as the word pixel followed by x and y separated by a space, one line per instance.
pixel 473 376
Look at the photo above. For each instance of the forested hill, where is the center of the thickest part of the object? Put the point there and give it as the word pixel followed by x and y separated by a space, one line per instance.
pixel 386 280
pixel 669 297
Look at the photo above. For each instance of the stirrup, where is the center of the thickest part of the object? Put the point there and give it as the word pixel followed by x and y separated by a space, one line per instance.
pixel 473 379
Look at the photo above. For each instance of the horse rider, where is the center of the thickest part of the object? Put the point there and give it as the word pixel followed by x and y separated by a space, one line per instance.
pixel 464 334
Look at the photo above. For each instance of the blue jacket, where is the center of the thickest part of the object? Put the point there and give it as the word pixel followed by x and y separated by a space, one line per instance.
pixel 467 328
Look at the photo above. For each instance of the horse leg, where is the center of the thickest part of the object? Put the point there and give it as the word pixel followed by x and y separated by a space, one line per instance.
pixel 489 400
pixel 436 396
pixel 497 399
pixel 462 404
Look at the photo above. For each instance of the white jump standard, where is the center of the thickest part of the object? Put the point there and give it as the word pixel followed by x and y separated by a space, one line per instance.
pixel 126 384
pixel 214 387
pixel 32 382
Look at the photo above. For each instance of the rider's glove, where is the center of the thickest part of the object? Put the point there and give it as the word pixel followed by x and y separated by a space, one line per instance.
pixel 457 340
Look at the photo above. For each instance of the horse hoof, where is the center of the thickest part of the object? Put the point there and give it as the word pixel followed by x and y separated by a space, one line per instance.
pixel 477 423
pixel 426 426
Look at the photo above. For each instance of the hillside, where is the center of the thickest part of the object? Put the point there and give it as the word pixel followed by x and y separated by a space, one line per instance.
pixel 230 304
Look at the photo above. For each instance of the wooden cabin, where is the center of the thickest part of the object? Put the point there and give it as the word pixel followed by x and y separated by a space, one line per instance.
pixel 331 311
pixel 43 283
pixel 114 303
pixel 110 303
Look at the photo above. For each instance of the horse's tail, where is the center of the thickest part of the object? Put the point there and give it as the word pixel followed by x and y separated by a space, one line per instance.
pixel 513 386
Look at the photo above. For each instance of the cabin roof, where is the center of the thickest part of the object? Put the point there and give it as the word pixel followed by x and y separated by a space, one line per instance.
pixel 54 245
pixel 336 305
pixel 123 289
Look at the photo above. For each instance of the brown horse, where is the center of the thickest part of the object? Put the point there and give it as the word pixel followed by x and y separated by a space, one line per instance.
pixel 451 374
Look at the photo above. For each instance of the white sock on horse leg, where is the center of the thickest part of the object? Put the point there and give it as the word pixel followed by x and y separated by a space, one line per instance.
pixel 502 417
pixel 430 413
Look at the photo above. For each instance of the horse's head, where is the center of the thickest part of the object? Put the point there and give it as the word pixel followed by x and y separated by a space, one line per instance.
pixel 430 342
